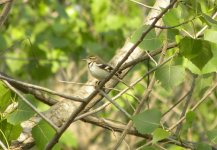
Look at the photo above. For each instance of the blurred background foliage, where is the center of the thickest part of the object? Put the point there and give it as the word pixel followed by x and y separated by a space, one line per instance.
pixel 42 37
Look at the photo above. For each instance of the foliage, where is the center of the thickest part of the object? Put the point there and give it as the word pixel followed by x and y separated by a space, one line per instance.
pixel 43 41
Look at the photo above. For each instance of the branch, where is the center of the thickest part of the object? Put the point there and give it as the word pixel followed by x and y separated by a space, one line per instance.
pixel 170 27
pixel 30 105
pixel 115 104
pixel 146 6
pixel 41 88
pixel 83 105
pixel 186 104
pixel 206 95
pixel 141 59
pixel 5 12
pixel 119 127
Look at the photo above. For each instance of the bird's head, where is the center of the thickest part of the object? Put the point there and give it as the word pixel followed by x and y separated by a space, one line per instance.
pixel 91 59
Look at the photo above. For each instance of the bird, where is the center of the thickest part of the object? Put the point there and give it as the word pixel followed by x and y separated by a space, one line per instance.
pixel 100 70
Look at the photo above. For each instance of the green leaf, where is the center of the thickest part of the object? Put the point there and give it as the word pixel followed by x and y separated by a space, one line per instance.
pixel 190 117
pixel 160 134
pixel 59 42
pixel 39 71
pixel 209 21
pixel 203 146
pixel 198 51
pixel 148 148
pixel 170 76
pixel 3 43
pixel 69 139
pixel 13 64
pixel 210 35
pixel 150 42
pixel 212 135
pixel 10 131
pixel 22 113
pixel 171 34
pixel 42 134
pixel 147 121
pixel 5 97
pixel 114 22
pixel 173 17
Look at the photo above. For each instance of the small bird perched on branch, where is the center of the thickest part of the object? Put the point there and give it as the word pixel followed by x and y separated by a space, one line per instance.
pixel 100 70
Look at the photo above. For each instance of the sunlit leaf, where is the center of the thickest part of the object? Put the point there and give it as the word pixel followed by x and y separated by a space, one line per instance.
pixel 198 51
pixel 170 76
pixel 160 134
pixel 22 113
pixel 147 121
pixel 10 131
pixel 42 134
pixel 212 135
pixel 5 97
pixel 203 146
pixel 150 42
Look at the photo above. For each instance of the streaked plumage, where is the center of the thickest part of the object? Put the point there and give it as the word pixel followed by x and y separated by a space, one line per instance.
pixel 100 70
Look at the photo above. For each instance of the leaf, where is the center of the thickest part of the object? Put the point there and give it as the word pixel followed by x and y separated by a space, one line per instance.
pixel 42 134
pixel 147 121
pixel 13 64
pixel 170 76
pixel 5 97
pixel 209 21
pixel 160 134
pixel 148 148
pixel 171 34
pixel 3 43
pixel 69 139
pixel 190 117
pixel 22 113
pixel 203 146
pixel 173 17
pixel 10 131
pixel 198 51
pixel 150 42
pixel 35 70
pixel 210 35
pixel 212 135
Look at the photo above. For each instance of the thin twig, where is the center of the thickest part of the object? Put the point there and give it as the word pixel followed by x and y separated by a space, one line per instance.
pixel 56 137
pixel 119 127
pixel 205 27
pixel 170 27
pixel 207 93
pixel 186 105
pixel 30 105
pixel 151 57
pixel 141 59
pixel 146 95
pixel 3 146
pixel 136 82
pixel 5 12
pixel 41 88
pixel 178 102
pixel 115 104
pixel 146 6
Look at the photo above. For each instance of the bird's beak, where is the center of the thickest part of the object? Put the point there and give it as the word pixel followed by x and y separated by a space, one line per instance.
pixel 84 59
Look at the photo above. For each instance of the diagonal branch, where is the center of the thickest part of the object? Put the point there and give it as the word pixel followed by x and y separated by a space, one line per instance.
pixel 5 11
pixel 31 86
pixel 206 95
pixel 186 104
pixel 115 104
pixel 146 95
pixel 83 105
pixel 30 105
